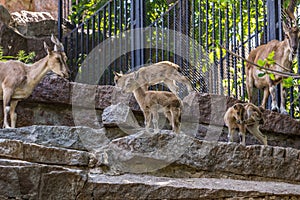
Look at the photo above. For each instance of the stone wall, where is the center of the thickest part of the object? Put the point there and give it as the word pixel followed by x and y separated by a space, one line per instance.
pixel 104 161
pixel 53 99
pixel 26 31
pixel 32 5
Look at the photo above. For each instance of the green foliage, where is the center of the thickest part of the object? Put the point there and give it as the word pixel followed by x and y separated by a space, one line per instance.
pixel 21 56
pixel 84 9
pixel 288 82
pixel 154 9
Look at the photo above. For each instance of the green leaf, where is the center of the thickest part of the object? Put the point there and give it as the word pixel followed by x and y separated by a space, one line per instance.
pixel 261 74
pixel 271 56
pixel 261 63
pixel 272 77
pixel 288 82
pixel 271 62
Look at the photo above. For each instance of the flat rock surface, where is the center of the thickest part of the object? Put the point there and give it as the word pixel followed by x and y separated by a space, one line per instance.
pixel 200 184
pixel 60 162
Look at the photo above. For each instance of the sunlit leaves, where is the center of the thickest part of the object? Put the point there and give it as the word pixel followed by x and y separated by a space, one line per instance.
pixel 21 56
pixel 272 76
pixel 261 62
pixel 288 82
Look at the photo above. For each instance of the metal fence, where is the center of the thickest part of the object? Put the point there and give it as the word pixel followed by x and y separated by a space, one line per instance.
pixel 190 33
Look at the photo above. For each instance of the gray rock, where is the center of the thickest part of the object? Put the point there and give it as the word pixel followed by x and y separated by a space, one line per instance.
pixel 5 17
pixel 119 115
pixel 41 162
pixel 34 24
pixel 181 155
pixel 79 138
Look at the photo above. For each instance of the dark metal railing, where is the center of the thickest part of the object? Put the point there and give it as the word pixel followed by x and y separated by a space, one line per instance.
pixel 189 33
pixel 109 21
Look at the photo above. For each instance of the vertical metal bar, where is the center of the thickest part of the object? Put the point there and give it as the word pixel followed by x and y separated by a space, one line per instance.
pixel 174 36
pixel 206 27
pixel 221 53
pixel 109 34
pixel 298 85
pixel 162 38
pixel 150 48
pixel 156 42
pixel 104 37
pixel 249 26
pixel 93 45
pixel 208 78
pixel 273 19
pixel 256 23
pixel 200 37
pixel 181 32
pixel 115 35
pixel 215 70
pixel 227 46
pixel 126 37
pixel 104 23
pixel 265 21
pixel 243 49
pixel 93 31
pixel 221 69
pixel 193 71
pixel 82 43
pixel 168 36
pixel 87 43
pixel 121 33
pixel 99 27
pixel 60 19
pixel 257 43
pixel 235 51
pixel 187 43
pixel 88 36
pixel 76 47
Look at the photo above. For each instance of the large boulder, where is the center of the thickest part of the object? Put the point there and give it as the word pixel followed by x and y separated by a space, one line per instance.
pixel 50 6
pixel 34 24
pixel 5 17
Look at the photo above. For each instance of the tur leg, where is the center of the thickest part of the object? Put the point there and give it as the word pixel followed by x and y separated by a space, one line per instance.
pixel 249 86
pixel 7 94
pixel 274 106
pixel 242 134
pixel 265 98
pixel 231 132
pixel 168 115
pixel 283 100
pixel 176 112
pixel 147 116
pixel 254 130
pixel 13 114
pixel 155 120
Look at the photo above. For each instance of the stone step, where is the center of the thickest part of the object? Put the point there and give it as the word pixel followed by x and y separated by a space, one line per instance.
pixel 161 154
pixel 173 155
pixel 24 180
pixel 16 149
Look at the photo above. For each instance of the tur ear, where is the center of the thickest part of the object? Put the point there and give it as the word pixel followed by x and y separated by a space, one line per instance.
pixel 54 39
pixel 117 74
pixel 46 48
pixel 285 28
pixel 136 75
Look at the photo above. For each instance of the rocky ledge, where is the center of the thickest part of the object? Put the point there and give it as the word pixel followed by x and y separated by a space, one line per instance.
pixel 60 162
pixel 55 101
